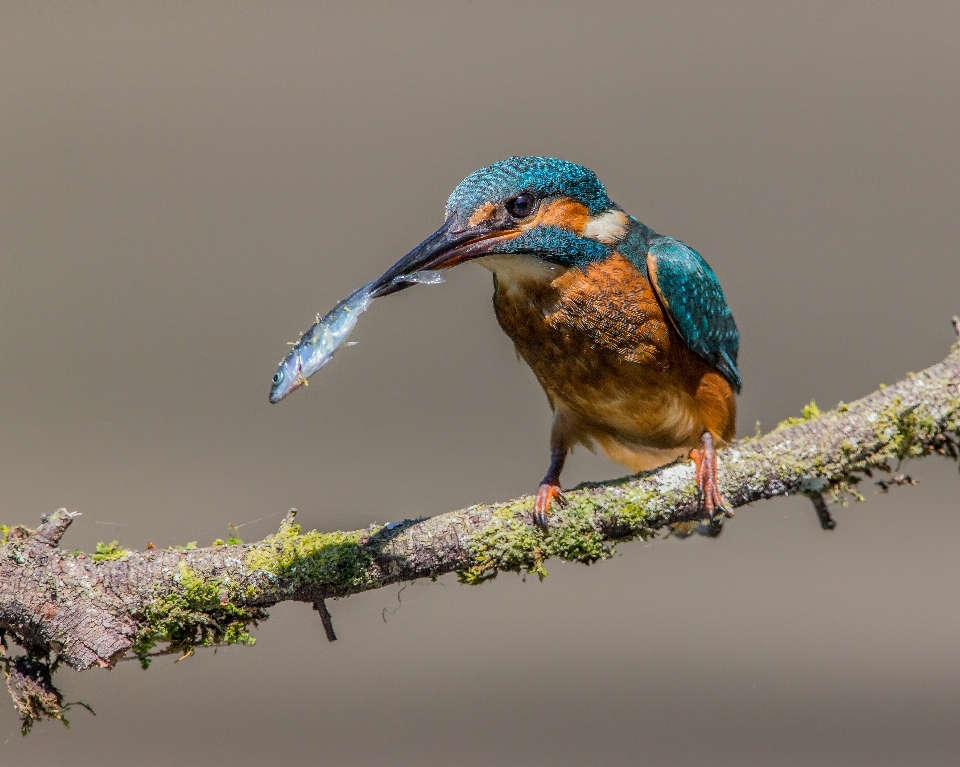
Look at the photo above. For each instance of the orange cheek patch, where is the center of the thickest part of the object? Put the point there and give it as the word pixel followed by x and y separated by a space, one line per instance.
pixel 564 213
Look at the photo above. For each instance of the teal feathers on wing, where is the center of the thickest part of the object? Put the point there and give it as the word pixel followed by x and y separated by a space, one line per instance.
pixel 695 303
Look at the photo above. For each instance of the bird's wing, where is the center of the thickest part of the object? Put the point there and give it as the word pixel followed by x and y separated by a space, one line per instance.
pixel 694 301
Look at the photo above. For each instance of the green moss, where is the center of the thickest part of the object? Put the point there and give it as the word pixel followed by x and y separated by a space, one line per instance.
pixel 577 539
pixel 908 431
pixel 335 561
pixel 638 511
pixel 507 543
pixel 904 432
pixel 842 490
pixel 197 612
pixel 107 551
pixel 512 543
pixel 810 413
pixel 4 534
pixel 232 540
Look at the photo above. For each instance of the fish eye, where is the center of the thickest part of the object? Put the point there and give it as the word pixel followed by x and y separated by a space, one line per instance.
pixel 522 205
pixel 278 377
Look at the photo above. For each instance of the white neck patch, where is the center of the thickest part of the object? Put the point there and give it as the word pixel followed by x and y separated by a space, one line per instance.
pixel 608 228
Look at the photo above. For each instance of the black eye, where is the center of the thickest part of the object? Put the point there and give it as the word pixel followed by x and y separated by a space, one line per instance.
pixel 277 377
pixel 522 205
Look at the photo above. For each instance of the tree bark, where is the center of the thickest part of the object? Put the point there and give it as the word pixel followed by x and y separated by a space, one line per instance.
pixel 86 610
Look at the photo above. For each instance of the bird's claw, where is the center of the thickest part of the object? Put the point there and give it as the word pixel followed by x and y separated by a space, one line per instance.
pixel 708 493
pixel 546 493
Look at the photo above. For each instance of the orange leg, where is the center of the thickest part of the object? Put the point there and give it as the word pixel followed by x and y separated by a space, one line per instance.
pixel 705 459
pixel 549 489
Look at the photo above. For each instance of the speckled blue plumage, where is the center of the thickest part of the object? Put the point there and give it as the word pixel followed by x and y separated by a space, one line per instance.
pixel 636 244
pixel 696 305
pixel 544 176
pixel 555 244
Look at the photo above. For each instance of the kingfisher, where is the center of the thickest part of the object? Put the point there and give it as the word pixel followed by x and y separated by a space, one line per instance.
pixel 627 331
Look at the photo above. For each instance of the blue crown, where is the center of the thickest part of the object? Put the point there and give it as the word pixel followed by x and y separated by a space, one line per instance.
pixel 544 176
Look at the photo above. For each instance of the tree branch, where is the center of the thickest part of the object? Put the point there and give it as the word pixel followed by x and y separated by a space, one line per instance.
pixel 89 610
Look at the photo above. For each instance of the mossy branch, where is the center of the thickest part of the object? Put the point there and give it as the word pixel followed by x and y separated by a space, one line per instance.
pixel 87 610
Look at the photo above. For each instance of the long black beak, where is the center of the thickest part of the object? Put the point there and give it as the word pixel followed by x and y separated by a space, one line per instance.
pixel 445 248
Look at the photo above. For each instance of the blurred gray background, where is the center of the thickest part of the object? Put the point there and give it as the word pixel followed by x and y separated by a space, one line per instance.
pixel 183 186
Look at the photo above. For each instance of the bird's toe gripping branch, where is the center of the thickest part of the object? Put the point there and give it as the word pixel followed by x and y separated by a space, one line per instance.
pixel 549 489
pixel 546 494
pixel 705 458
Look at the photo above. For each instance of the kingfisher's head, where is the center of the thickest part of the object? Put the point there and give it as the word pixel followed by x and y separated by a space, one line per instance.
pixel 548 209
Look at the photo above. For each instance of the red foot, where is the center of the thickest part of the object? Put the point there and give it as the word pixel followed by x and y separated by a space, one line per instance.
pixel 706 460
pixel 546 493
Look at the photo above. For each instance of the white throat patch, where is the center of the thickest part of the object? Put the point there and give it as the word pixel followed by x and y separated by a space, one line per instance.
pixel 514 270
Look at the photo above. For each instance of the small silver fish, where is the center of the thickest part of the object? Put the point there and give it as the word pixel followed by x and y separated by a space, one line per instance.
pixel 317 346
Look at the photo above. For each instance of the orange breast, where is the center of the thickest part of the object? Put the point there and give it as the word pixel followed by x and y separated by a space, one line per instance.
pixel 611 363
